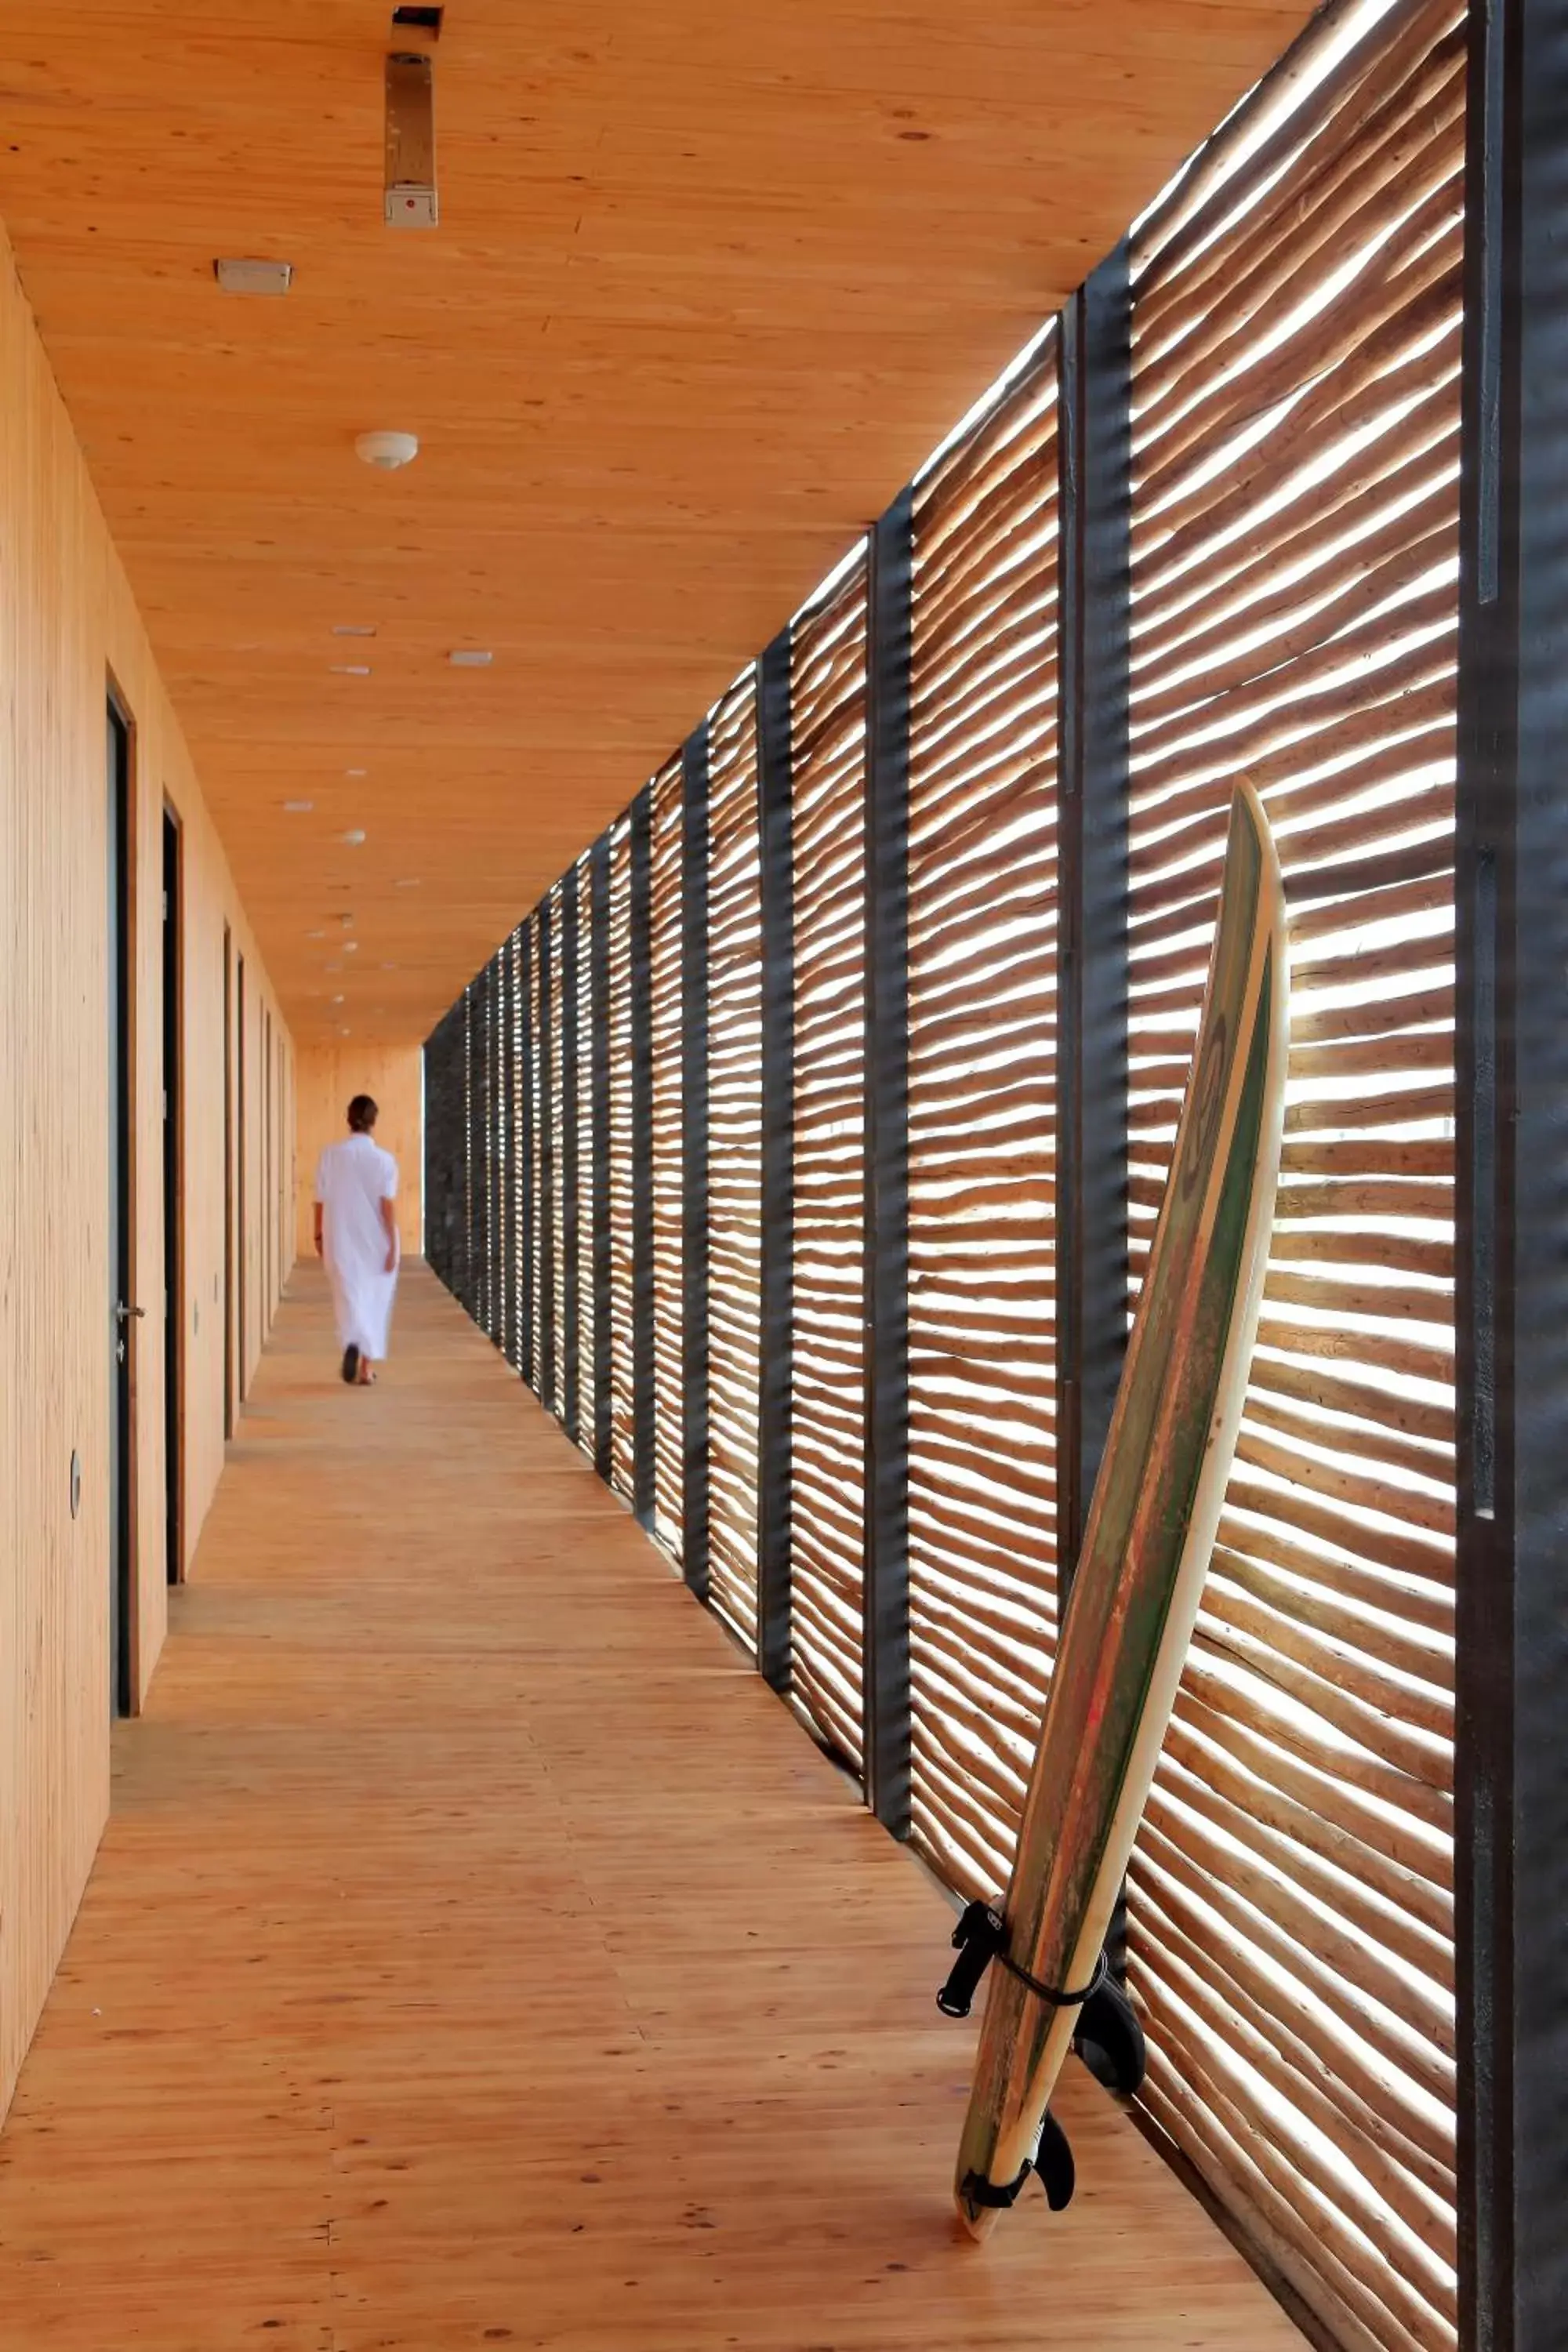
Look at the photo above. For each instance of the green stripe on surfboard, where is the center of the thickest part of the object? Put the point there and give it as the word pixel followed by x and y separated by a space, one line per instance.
pixel 1152 1522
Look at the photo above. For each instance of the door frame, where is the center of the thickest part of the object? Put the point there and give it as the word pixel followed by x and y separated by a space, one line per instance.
pixel 121 912
pixel 228 1297
pixel 172 846
pixel 241 1251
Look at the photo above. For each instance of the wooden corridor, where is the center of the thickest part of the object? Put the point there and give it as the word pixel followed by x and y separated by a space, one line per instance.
pixel 479 1954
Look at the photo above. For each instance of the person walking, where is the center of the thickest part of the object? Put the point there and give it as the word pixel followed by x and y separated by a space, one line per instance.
pixel 356 1239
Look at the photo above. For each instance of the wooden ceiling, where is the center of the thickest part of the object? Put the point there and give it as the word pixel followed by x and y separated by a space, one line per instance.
pixel 710 282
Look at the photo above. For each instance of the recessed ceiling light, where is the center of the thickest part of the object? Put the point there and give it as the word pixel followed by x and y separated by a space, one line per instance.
pixel 410 882
pixel 350 669
pixel 345 1033
pixel 470 657
pixel 352 629
pixel 351 947
pixel 254 276
pixel 356 771
pixel 354 836
pixel 299 808
pixel 315 935
pixel 337 1000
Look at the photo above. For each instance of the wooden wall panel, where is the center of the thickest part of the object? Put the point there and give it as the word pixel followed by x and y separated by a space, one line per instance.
pixel 329 1076
pixel 67 624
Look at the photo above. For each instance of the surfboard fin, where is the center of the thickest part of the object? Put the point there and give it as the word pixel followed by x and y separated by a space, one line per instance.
pixel 1110 2039
pixel 1052 2161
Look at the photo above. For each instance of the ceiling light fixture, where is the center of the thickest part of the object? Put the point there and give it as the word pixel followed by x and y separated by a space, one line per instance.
pixel 470 657
pixel 299 808
pixel 356 771
pixel 254 276
pixel 410 883
pixel 354 836
pixel 410 197
pixel 350 669
pixel 351 629
pixel 387 451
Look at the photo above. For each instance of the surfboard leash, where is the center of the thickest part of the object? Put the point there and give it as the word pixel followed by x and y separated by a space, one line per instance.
pixel 980 1937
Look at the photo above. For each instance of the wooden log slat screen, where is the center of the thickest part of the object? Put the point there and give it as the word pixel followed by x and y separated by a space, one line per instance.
pixel 668 1197
pixel 1289 525
pixel 622 1434
pixel 982 1120
pixel 552 1098
pixel 734 1155
pixel 827 782
pixel 536 1275
pixel 581 881
pixel 1294 422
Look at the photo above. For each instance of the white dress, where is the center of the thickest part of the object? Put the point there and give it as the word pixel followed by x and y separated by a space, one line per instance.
pixel 352 1179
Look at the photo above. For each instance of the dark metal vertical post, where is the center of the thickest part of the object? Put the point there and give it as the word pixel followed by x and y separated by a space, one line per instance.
pixel 493 1113
pixel 570 1337
pixel 487 1115
pixel 548 1236
pixel 599 984
pixel 885 1595
pixel 1094 480
pixel 694 1159
pixel 506 1141
pixel 526 1339
pixel 1511 1151
pixel 645 1432
pixel 1094 485
pixel 774 1414
pixel 466 1260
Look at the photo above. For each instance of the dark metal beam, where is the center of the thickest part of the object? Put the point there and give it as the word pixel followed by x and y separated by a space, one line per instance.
pixel 599 984
pixel 694 1159
pixel 645 1424
pixel 570 1230
pixel 1511 1149
pixel 885 1591
pixel 777 1286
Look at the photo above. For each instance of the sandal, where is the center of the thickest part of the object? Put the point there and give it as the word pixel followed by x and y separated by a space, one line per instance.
pixel 350 1363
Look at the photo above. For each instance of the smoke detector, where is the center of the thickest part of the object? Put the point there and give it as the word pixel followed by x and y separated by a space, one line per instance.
pixel 387 451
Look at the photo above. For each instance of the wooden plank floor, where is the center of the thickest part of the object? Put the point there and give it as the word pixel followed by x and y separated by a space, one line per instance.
pixel 480 1955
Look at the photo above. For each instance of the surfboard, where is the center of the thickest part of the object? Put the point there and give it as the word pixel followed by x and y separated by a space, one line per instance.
pixel 1145 1551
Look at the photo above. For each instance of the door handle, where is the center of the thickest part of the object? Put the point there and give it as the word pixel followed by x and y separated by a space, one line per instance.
pixel 123 1314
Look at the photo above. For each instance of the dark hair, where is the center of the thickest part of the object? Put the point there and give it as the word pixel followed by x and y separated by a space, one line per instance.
pixel 362 1114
